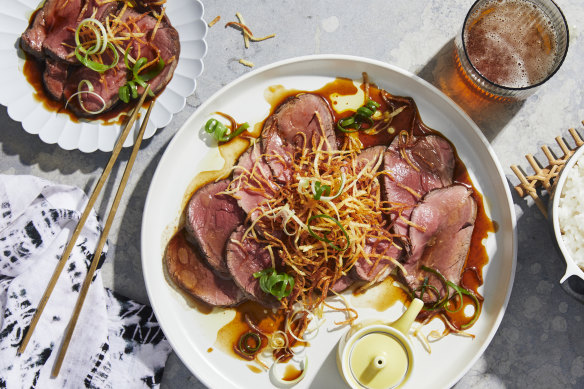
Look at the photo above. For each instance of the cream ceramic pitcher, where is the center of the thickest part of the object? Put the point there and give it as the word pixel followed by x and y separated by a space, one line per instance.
pixel 378 355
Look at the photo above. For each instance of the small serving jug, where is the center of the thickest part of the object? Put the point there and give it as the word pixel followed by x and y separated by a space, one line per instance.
pixel 378 355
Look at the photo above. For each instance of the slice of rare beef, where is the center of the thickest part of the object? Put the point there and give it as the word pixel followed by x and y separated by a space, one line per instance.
pixel 33 37
pixel 343 283
pixel 414 166
pixel 383 253
pixel 293 126
pixel 211 218
pixel 244 258
pixel 444 223
pixel 254 182
pixel 380 245
pixel 165 43
pixel 61 20
pixel 55 77
pixel 105 85
pixel 191 273
pixel 369 158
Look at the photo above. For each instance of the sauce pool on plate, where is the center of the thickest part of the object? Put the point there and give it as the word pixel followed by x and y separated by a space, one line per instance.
pixel 268 320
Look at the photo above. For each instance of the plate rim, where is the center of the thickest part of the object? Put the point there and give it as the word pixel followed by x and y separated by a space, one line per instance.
pixel 204 376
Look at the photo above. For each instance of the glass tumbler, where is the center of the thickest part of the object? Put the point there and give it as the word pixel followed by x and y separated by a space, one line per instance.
pixel 508 48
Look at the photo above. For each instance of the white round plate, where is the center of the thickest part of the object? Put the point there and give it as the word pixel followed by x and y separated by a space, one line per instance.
pixel 192 333
pixel 88 136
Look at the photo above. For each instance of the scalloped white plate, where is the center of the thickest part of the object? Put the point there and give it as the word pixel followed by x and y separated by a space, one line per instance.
pixel 192 334
pixel 88 136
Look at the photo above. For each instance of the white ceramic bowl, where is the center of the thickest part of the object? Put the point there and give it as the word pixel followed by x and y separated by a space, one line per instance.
pixel 572 269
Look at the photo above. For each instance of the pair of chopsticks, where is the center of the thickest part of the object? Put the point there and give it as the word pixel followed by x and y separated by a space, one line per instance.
pixel 103 238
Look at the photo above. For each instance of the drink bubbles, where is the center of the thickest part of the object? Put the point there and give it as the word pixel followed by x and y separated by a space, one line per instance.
pixel 507 48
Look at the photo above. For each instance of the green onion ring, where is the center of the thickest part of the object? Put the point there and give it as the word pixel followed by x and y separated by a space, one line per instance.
pixel 372 105
pixel 136 68
pixel 346 123
pixel 364 111
pixel 320 189
pixel 277 284
pixel 96 66
pixel 475 300
pixel 88 91
pixel 124 93
pixel 439 303
pixel 459 293
pixel 101 39
pixel 458 290
pixel 362 114
pixel 154 72
pixel 339 192
pixel 126 53
pixel 219 130
pixel 244 346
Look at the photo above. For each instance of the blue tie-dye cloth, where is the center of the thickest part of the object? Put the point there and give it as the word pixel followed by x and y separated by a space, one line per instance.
pixel 117 343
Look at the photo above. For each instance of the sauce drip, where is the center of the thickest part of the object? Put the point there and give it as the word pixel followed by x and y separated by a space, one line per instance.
pixel 291 373
pixel 33 72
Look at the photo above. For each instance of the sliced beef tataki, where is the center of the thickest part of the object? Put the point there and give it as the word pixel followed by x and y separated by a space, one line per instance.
pixel 61 20
pixel 211 218
pixel 166 43
pixel 253 178
pixel 55 77
pixel 245 257
pixel 441 241
pixel 106 85
pixel 384 254
pixel 33 37
pixel 414 168
pixel 375 268
pixel 192 274
pixel 293 126
pixel 342 284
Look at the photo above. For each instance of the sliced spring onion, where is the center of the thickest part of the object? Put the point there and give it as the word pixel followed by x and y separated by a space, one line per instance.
pixel 324 237
pixel 279 340
pixel 90 92
pixel 126 54
pixel 154 71
pixel 439 302
pixel 442 303
pixel 325 196
pixel 477 304
pixel 362 115
pixel 348 125
pixel 136 68
pixel 97 66
pixel 130 90
pixel 319 189
pixel 244 343
pixel 124 93
pixel 277 284
pixel 219 130
pixel 98 29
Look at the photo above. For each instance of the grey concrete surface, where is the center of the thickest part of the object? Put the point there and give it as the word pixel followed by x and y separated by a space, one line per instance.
pixel 539 343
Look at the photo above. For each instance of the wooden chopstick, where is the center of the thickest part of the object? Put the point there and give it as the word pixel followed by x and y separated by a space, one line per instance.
pixel 92 199
pixel 100 245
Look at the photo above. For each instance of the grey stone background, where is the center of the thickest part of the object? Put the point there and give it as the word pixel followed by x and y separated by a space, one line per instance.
pixel 540 342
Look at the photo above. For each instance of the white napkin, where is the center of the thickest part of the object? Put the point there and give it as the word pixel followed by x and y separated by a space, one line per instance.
pixel 117 343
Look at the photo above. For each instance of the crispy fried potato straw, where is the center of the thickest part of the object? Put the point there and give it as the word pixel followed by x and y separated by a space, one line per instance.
pixel 288 211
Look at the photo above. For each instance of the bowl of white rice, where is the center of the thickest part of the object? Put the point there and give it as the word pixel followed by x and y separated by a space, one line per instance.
pixel 567 211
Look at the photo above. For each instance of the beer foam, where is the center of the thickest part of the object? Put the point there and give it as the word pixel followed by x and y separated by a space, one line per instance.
pixel 511 43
